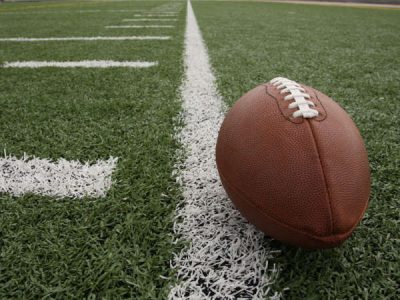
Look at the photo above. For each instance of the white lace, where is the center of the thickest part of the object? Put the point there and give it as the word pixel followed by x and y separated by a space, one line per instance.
pixel 298 94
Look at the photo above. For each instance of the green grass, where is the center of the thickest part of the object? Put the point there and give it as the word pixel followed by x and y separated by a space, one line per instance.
pixel 119 246
pixel 57 5
pixel 353 55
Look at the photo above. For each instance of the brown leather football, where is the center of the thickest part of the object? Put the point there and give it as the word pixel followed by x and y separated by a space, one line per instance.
pixel 294 164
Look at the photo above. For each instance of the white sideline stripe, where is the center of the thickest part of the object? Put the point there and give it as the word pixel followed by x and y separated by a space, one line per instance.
pixel 139 20
pixel 95 38
pixel 225 258
pixel 140 26
pixel 80 64
pixel 61 178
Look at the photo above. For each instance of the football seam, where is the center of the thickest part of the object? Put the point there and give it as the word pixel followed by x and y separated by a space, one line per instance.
pixel 327 190
pixel 317 148
pixel 317 237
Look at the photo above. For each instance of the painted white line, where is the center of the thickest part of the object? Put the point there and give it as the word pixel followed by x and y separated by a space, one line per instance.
pixel 77 38
pixel 39 12
pixel 140 20
pixel 108 10
pixel 61 178
pixel 80 64
pixel 71 11
pixel 225 258
pixel 140 26
pixel 155 15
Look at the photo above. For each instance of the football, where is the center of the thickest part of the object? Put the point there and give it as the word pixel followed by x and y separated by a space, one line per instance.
pixel 294 164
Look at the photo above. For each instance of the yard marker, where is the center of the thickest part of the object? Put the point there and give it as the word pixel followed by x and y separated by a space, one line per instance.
pixel 72 11
pixel 61 178
pixel 140 26
pixel 95 38
pixel 225 258
pixel 139 20
pixel 80 64
pixel 155 15
pixel 107 10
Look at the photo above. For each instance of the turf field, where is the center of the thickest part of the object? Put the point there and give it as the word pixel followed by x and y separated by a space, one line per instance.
pixel 353 55
pixel 121 245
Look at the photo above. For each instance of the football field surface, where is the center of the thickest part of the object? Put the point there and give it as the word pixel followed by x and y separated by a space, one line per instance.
pixel 109 112
pixel 352 55
pixel 118 245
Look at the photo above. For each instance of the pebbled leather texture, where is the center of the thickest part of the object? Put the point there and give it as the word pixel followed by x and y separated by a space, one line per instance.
pixel 304 182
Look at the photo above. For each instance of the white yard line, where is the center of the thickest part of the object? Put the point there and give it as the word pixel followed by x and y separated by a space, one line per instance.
pixel 107 10
pixel 61 178
pixel 140 26
pixel 155 15
pixel 77 38
pixel 225 258
pixel 140 20
pixel 34 12
pixel 80 64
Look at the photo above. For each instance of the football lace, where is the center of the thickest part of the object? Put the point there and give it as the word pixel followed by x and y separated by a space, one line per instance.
pixel 298 94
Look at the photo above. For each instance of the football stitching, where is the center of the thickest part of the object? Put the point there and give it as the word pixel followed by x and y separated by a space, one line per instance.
pixel 323 108
pixel 322 115
pixel 295 121
pixel 297 93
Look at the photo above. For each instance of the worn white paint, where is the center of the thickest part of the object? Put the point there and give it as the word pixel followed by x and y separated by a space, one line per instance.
pixel 61 178
pixel 155 15
pixel 139 26
pixel 84 39
pixel 225 258
pixel 80 64
pixel 147 19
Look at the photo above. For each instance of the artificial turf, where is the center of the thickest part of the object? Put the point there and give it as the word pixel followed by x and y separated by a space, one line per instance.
pixel 118 246
pixel 353 55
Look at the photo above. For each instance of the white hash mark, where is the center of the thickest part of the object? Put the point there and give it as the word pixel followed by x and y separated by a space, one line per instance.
pixel 61 178
pixel 86 39
pixel 80 64
pixel 139 20
pixel 140 26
